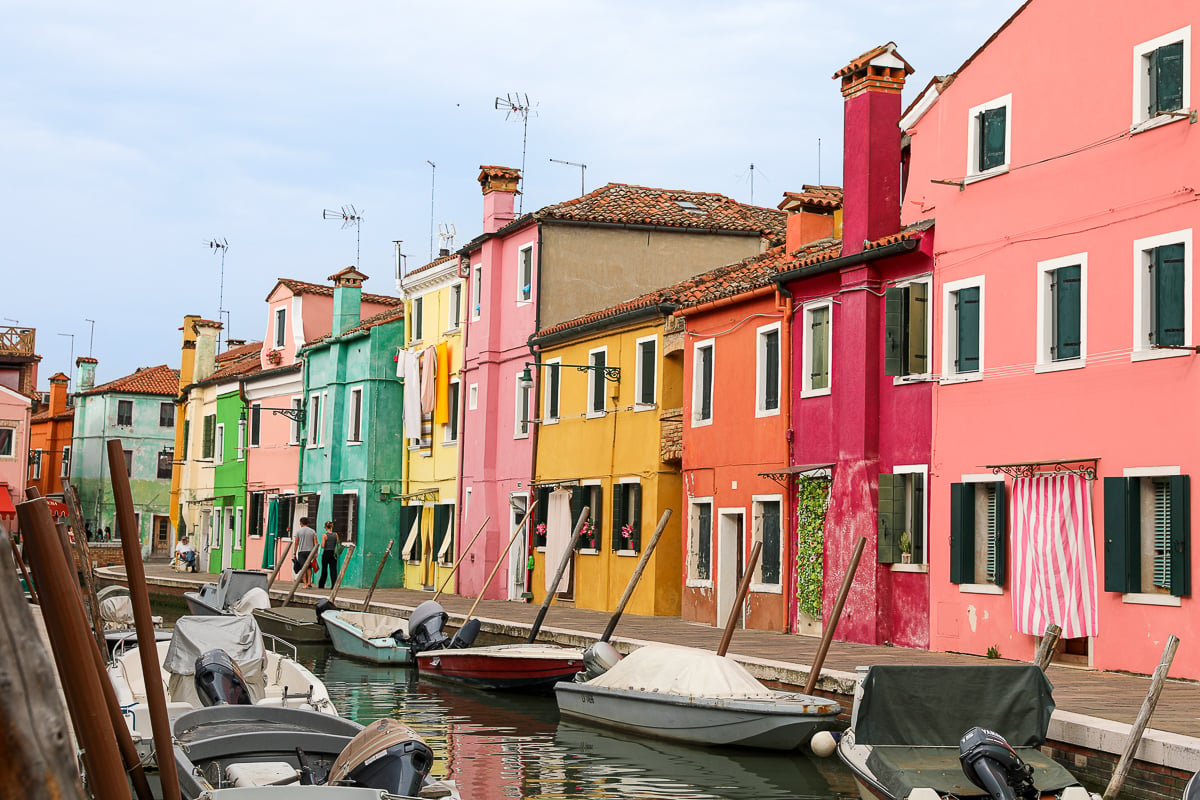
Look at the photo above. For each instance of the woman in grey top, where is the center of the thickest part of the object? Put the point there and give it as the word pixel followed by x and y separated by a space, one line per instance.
pixel 306 542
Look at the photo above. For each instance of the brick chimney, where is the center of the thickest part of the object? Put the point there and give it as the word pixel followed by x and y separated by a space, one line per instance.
pixel 206 349
pixel 871 85
pixel 86 372
pixel 499 186
pixel 813 214
pixel 58 393
pixel 347 299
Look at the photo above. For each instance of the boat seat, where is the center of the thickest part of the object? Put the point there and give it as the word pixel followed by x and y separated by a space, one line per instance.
pixel 261 773
pixel 902 769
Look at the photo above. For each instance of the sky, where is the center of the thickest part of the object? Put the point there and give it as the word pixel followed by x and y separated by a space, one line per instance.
pixel 134 134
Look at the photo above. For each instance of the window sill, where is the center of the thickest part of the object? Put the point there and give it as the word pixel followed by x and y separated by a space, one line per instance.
pixel 766 588
pixel 702 423
pixel 806 393
pixel 901 380
pixel 759 413
pixel 1061 366
pixel 450 443
pixel 353 443
pixel 983 176
pixel 1162 119
pixel 980 588
pixel 540 548
pixel 596 414
pixel 695 583
pixel 520 436
pixel 550 421
pixel 450 331
pixel 588 551
pixel 644 407
pixel 1153 354
pixel 627 552
pixel 1151 599
pixel 922 568
pixel 969 377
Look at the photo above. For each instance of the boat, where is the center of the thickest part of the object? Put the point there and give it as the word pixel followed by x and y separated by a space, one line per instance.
pixel 296 624
pixel 269 667
pixel 378 638
pixel 522 667
pixel 239 752
pixel 116 614
pixel 965 732
pixel 688 695
pixel 236 591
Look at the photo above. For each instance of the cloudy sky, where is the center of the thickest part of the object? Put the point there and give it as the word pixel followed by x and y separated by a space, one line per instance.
pixel 134 133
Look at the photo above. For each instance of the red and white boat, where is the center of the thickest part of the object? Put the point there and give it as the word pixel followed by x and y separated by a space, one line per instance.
pixel 522 667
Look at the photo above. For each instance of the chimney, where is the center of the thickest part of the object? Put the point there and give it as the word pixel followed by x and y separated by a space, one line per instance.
pixel 58 393
pixel 813 214
pixel 499 186
pixel 871 85
pixel 231 344
pixel 347 299
pixel 86 370
pixel 206 349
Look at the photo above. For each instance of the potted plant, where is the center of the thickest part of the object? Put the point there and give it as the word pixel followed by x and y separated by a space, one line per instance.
pixel 274 356
pixel 905 548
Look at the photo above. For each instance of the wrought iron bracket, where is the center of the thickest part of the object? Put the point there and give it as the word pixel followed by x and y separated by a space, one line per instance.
pixel 1083 466
pixel 295 413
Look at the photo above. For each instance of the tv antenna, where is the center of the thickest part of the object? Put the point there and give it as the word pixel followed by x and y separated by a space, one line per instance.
pixel 517 104
pixel 72 353
pixel 446 234
pixel 91 336
pixel 582 171
pixel 432 184
pixel 401 261
pixel 219 246
pixel 349 215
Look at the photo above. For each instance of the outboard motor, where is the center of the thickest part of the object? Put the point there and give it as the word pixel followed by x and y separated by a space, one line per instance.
pixel 598 659
pixel 323 605
pixel 992 765
pixel 465 636
pixel 426 627
pixel 386 755
pixel 219 682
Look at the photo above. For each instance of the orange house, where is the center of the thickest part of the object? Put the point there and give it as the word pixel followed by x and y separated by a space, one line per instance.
pixel 50 439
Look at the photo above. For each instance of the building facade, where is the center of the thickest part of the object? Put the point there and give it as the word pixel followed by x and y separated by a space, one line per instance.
pixel 50 429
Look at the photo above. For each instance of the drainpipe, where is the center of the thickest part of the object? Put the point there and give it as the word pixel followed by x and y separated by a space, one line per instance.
pixel 785 303
pixel 533 438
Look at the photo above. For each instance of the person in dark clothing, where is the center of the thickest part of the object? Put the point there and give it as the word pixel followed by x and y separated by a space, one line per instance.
pixel 329 563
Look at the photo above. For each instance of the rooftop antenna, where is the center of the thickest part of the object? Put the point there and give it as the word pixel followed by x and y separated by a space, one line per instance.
pixel 91 337
pixel 518 104
pixel 751 183
pixel 819 162
pixel 219 246
pixel 432 184
pixel 582 172
pixel 401 260
pixel 72 355
pixel 349 215
pixel 446 234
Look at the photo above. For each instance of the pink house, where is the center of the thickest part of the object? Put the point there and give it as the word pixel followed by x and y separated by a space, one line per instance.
pixel 18 382
pixel 1064 341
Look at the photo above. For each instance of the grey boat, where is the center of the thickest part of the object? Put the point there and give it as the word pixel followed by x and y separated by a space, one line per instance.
pixel 236 591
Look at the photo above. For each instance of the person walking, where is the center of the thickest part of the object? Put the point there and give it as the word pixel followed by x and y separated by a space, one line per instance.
pixel 306 542
pixel 329 554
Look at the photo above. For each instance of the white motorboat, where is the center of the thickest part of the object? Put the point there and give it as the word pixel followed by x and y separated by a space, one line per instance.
pixel 237 591
pixel 379 638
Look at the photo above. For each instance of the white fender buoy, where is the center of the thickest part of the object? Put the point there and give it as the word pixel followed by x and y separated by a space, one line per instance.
pixel 823 744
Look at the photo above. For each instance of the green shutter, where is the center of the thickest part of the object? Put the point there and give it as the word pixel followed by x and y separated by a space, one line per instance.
pixel 962 533
pixel 1166 79
pixel 894 344
pixel 999 534
pixel 598 363
pixel 820 348
pixel 648 370
pixel 441 527
pixel 540 515
pixel 771 368
pixel 210 436
pixel 967 309
pixel 772 553
pixel 618 515
pixel 1066 286
pixel 992 125
pixel 187 430
pixel 635 501
pixel 578 501
pixel 1181 548
pixel 891 517
pixel 1122 535
pixel 1169 295
pixel 918 314
pixel 918 518
pixel 704 541
pixel 706 379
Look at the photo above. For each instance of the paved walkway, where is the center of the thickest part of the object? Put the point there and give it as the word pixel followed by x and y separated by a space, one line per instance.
pixel 1105 695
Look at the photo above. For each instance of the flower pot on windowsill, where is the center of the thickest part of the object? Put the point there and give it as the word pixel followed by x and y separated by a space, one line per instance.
pixel 906 558
pixel 275 357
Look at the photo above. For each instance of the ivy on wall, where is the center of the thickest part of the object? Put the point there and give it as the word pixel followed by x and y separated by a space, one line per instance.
pixel 812 499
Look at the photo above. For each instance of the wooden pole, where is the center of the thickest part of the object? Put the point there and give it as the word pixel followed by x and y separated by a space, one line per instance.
pixel 461 556
pixel 736 611
pixel 312 554
pixel 16 552
pixel 370 592
pixel 636 576
pixel 84 554
pixel 1143 719
pixel 135 571
pixel 1045 650
pixel 827 638
pixel 35 734
pixel 568 554
pixel 342 572
pixel 500 559
pixel 279 564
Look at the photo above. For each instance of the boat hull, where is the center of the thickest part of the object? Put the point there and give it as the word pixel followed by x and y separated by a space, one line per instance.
pixel 296 625
pixel 350 641
pixel 780 724
pixel 505 668
pixel 197 607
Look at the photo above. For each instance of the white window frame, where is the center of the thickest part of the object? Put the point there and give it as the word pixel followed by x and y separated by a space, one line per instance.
pixel 693 517
pixel 219 445
pixel 314 425
pixel 923 471
pixel 593 376
pixel 950 329
pixel 638 405
pixel 928 374
pixel 547 386
pixel 1045 313
pixel 255 431
pixel 241 440
pixel 417 334
pixel 294 435
pixel 37 464
pixel 973 144
pixel 219 519
pixel 1143 295
pixel 593 483
pixel 476 291
pixel 1141 81
pixel 66 462
pixel 806 389
pixel 760 371
pixel 237 527
pixel 624 551
pixel 524 298
pixel 280 327
pixel 519 421
pixel 451 428
pixel 1151 598
pixel 697 387
pixel 454 307
pixel 353 408
pixel 756 535
pixel 979 588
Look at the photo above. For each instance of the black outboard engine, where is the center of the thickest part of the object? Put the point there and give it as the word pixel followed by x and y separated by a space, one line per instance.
pixel 323 605
pixel 386 755
pixel 219 682
pixel 465 636
pixel 992 765
pixel 426 627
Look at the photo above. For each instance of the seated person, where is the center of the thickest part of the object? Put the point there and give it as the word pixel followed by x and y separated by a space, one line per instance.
pixel 185 554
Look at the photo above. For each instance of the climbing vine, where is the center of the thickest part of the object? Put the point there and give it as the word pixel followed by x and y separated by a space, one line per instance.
pixel 812 499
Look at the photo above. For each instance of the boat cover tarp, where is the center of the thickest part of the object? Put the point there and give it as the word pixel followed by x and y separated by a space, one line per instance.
pixel 682 671
pixel 117 613
pixel 255 597
pixel 234 583
pixel 375 626
pixel 936 705
pixel 237 636
pixel 902 769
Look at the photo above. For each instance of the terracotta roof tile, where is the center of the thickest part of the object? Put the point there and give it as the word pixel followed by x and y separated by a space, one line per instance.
pixel 866 58
pixel 146 380
pixel 817 197
pixel 381 318
pixel 437 262
pixel 237 362
pixel 304 287
pixel 500 172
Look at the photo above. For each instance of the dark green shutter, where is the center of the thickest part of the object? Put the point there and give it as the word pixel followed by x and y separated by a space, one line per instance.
pixel 771 367
pixel 1166 79
pixel 648 373
pixel 891 517
pixel 210 436
pixel 771 554
pixel 704 541
pixel 187 431
pixel 992 124
pixel 635 500
pixel 967 309
pixel 578 501
pixel 1066 288
pixel 1169 295
pixel 408 515
pixel 1122 535
pixel 918 314
pixel 599 361
pixel 441 527
pixel 1181 534
pixel 706 377
pixel 962 533
pixel 618 517
pixel 819 353
pixel 917 531
pixel 1000 534
pixel 541 515
pixel 894 329
pixel 552 412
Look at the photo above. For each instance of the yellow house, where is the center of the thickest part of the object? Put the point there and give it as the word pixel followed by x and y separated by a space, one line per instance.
pixel 610 435
pixel 434 310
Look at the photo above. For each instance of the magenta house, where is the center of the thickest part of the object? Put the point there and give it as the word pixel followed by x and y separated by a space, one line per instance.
pixel 861 386
pixel 1064 339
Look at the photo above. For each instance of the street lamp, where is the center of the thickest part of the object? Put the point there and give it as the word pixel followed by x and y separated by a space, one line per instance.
pixel 610 373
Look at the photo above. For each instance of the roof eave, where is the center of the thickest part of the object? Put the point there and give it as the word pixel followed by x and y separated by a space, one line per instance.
pixel 864 257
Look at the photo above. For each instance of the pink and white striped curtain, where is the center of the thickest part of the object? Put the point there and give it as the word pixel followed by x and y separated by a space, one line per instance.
pixel 1053 555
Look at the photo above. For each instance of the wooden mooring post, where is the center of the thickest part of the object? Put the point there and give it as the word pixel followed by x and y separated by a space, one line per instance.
pixel 1143 719
pixel 1045 651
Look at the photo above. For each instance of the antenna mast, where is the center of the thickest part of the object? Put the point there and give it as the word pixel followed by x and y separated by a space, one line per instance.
pixel 582 172
pixel 349 215
pixel 446 234
pixel 72 367
pixel 91 338
pixel 218 246
pixel 518 104
pixel 432 183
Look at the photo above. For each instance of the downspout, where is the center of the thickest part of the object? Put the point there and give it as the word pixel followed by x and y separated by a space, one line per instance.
pixel 533 437
pixel 787 307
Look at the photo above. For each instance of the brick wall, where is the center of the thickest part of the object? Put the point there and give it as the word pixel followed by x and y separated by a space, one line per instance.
pixel 1144 782
pixel 105 553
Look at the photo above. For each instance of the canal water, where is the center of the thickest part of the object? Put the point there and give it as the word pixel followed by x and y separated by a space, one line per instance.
pixel 498 745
